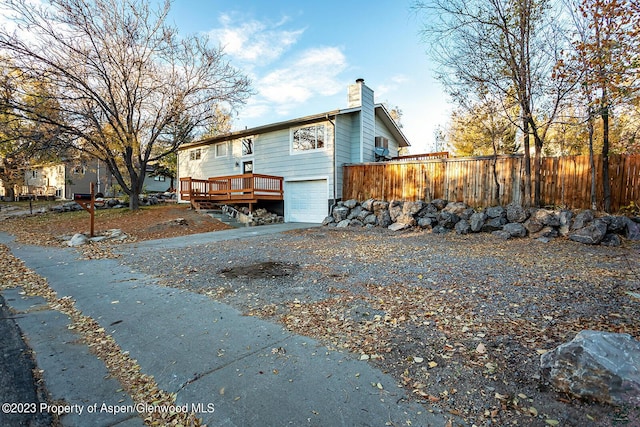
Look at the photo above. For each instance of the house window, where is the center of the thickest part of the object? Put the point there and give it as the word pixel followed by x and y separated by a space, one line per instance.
pixel 308 138
pixel 34 174
pixel 160 178
pixel 221 150
pixel 195 154
pixel 382 142
pixel 247 146
pixel 78 170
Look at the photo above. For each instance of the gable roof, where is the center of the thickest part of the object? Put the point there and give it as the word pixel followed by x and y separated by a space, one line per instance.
pixel 380 111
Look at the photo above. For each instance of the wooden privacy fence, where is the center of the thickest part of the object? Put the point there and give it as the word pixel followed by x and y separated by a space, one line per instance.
pixel 566 181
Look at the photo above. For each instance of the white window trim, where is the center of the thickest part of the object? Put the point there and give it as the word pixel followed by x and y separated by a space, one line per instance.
pixel 192 154
pixel 226 150
pixel 293 151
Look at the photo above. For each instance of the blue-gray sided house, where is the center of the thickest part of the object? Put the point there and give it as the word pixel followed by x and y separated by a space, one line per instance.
pixel 294 167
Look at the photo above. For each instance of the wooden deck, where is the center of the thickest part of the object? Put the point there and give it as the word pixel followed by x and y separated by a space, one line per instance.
pixel 246 189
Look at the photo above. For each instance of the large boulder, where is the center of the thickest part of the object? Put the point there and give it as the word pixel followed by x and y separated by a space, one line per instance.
pixel 340 213
pixel 405 219
pixel 355 212
pixel 448 219
pixel 633 229
pixel 395 209
pixel 455 207
pixel 582 219
pixel 78 240
pixel 496 212
pixel 494 224
pixel 477 221
pixel 516 213
pixel 547 217
pixel 383 219
pixel 351 203
pixel 596 365
pixel 515 229
pixel 439 203
pixel 592 234
pixel 412 208
pixel 463 227
pixel 368 204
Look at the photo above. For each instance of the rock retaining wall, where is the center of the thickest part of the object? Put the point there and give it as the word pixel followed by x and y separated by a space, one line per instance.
pixel 512 221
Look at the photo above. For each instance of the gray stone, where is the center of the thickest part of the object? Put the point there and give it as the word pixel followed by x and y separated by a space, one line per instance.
pixel 545 233
pixel 597 365
pixel 633 229
pixel 426 222
pixel 344 223
pixel 448 219
pixel 611 240
pixel 455 207
pixel 429 210
pixel 547 217
pixel 592 234
pixel 383 218
pixel 368 205
pixel 582 219
pixel 439 203
pixel 466 214
pixel 477 221
pixel 363 214
pixel 463 227
pixel 615 224
pixel 439 229
pixel 494 224
pixel 78 240
pixel 356 223
pixel 496 212
pixel 406 219
pixel 501 234
pixel 397 226
pixel 516 213
pixel 565 217
pixel 515 229
pixel 379 205
pixel 371 219
pixel 340 213
pixel 395 209
pixel 327 220
pixel 351 203
pixel 533 225
pixel 355 212
pixel 412 208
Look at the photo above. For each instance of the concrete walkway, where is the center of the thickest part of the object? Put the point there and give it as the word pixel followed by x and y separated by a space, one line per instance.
pixel 234 370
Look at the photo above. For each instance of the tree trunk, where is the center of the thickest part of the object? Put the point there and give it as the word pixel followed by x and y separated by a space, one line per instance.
pixel 538 170
pixel 606 184
pixel 527 164
pixel 592 161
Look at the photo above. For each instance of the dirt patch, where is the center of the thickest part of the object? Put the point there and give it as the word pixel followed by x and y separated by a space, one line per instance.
pixel 152 222
pixel 261 270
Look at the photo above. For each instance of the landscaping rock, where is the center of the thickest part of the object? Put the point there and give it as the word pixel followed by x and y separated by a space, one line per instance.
pixel 547 233
pixel 397 226
pixel 477 221
pixel 466 214
pixel 516 213
pixel 340 213
pixel 327 220
pixel 439 229
pixel 582 219
pixel 565 217
pixel 602 366
pixel 448 219
pixel 547 217
pixel 455 207
pixel 611 240
pixel 633 229
pixel 592 234
pixel 78 240
pixel 395 210
pixel 439 203
pixel 412 208
pixel 515 229
pixel 344 223
pixel 368 205
pixel 533 225
pixel 496 212
pixel 406 219
pixel 363 214
pixel 351 203
pixel 383 218
pixel 356 223
pixel 355 212
pixel 426 222
pixel 371 219
pixel 494 224
pixel 501 234
pixel 463 227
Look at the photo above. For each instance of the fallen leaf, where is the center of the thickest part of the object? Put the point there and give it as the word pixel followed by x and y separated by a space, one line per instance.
pixel 432 364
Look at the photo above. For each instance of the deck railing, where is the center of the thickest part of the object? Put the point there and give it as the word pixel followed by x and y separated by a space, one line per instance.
pixel 249 186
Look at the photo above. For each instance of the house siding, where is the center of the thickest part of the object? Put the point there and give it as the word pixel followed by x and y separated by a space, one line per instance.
pixel 368 123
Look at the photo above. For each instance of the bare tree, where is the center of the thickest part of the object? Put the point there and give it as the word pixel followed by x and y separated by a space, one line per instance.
pixel 124 78
pixel 507 47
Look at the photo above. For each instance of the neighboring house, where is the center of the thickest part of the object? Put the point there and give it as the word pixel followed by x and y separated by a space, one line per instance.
pixel 307 153
pixel 64 179
pixel 155 183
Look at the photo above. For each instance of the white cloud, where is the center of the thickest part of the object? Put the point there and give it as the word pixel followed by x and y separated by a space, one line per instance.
pixel 253 41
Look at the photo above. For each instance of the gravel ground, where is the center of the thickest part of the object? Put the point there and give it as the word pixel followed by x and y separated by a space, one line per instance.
pixel 460 321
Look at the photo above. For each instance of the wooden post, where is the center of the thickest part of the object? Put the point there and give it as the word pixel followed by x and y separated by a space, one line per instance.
pixel 88 205
pixel 92 209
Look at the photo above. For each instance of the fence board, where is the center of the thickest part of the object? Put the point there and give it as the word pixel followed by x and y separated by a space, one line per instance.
pixel 566 181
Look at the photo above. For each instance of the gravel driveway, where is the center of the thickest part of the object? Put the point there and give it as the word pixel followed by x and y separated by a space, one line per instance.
pixel 460 321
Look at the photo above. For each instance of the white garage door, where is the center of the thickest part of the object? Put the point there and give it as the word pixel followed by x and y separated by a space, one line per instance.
pixel 305 201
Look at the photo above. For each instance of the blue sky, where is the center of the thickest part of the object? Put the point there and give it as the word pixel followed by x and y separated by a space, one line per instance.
pixel 301 56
